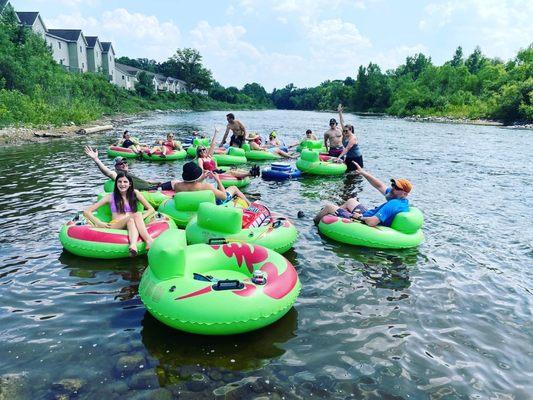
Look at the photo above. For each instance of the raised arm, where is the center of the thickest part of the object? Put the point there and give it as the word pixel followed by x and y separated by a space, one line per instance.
pixel 351 143
pixel 213 143
pixel 341 119
pixel 379 185
pixel 88 212
pixel 225 135
pixel 93 154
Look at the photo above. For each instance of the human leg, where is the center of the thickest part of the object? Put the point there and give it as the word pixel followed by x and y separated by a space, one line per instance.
pixel 234 191
pixel 141 228
pixel 120 222
pixel 283 153
pixel 327 209
pixel 133 237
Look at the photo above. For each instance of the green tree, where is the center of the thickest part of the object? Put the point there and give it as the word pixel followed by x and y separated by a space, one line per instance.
pixel 186 64
pixel 144 86
pixel 475 61
pixel 457 59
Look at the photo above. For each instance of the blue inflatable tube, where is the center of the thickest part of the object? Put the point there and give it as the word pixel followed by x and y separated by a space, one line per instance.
pixel 280 172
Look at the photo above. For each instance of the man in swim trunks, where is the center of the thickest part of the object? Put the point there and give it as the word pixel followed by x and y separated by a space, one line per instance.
pixel 333 139
pixel 395 194
pixel 193 180
pixel 121 165
pixel 238 129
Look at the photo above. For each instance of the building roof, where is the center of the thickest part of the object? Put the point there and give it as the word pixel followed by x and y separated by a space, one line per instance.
pixel 106 46
pixel 3 4
pixel 70 35
pixel 27 17
pixel 125 69
pixel 91 40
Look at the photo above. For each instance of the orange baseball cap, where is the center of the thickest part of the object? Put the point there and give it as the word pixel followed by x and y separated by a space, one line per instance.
pixel 403 184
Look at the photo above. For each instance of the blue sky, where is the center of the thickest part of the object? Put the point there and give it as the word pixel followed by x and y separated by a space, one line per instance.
pixel 276 42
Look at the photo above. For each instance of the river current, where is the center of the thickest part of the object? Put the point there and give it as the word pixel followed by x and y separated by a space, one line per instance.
pixel 451 319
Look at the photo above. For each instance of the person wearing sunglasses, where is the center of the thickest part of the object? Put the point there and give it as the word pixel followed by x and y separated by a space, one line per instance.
pixel 352 151
pixel 396 202
pixel 333 139
pixel 208 163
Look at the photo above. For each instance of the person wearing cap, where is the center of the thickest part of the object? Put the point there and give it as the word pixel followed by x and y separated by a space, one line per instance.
pixel 238 129
pixel 395 194
pixel 193 180
pixel 121 165
pixel 333 139
pixel 255 144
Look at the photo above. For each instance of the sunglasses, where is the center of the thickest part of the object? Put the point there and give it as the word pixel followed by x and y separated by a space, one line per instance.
pixel 346 130
pixel 202 149
pixel 396 187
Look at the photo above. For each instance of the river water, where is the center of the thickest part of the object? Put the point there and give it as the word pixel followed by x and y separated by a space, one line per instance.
pixel 451 319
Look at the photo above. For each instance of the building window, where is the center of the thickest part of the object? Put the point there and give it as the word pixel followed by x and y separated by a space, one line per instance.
pixel 61 61
pixel 122 77
pixel 59 44
pixel 81 49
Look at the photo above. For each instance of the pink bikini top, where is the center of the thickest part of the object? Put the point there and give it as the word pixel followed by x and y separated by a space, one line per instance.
pixel 114 210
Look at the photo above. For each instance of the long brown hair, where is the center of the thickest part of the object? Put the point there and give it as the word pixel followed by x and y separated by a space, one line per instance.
pixel 130 194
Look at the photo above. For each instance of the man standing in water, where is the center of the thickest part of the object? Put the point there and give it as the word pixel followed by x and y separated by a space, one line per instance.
pixel 238 129
pixel 333 139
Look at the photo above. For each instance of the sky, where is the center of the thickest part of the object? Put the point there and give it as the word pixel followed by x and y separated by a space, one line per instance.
pixel 304 42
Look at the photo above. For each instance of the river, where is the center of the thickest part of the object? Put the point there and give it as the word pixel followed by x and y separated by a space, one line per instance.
pixel 451 319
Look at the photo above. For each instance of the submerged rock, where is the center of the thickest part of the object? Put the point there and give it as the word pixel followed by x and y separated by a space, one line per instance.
pixel 14 387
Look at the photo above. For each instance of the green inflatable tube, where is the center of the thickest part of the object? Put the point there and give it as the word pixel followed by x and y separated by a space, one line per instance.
pixel 259 155
pixel 184 205
pixel 209 290
pixel 405 231
pixel 85 240
pixel 232 156
pixel 309 144
pixel 309 163
pixel 191 150
pixel 172 156
pixel 259 227
pixel 154 197
pixel 117 151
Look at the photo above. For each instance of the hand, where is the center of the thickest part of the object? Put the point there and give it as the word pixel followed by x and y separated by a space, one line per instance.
pixel 357 216
pixel 92 153
pixel 222 143
pixel 337 160
pixel 339 108
pixel 358 169
pixel 217 129
pixel 101 224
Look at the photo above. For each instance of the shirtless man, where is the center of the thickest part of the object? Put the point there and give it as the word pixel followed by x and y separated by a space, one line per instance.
pixel 238 129
pixel 333 139
pixel 193 180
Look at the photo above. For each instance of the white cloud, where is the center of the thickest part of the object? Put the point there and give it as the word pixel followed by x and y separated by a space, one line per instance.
pixel 391 58
pixel 501 27
pixel 145 35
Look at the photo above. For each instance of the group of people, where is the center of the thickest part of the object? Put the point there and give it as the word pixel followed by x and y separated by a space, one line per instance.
pixel 341 144
pixel 162 147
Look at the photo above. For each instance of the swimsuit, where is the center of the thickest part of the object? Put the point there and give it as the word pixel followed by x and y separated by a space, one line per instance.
pixel 209 165
pixel 114 210
pixel 341 212
pixel 127 143
pixel 228 198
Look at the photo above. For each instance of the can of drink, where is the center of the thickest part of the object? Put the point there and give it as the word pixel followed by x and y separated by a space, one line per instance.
pixel 259 277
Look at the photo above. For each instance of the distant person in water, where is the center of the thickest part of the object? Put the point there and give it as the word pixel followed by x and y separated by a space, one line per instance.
pixel 255 144
pixel 165 146
pixel 121 165
pixel 395 194
pixel 208 163
pixel 129 142
pixel 193 181
pixel 352 151
pixel 333 139
pixel 238 132
pixel 123 202
pixel 309 135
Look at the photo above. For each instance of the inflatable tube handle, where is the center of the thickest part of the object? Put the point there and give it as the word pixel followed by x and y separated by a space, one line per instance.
pixel 228 284
pixel 217 241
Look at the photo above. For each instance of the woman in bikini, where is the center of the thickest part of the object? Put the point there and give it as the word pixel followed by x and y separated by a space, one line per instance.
pixel 255 144
pixel 166 146
pixel 123 202
pixel 208 163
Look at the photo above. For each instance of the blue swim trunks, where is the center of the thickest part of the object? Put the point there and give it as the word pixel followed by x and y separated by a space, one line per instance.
pixel 341 212
pixel 228 198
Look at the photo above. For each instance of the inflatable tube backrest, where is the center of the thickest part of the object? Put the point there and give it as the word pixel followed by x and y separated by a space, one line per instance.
pixel 246 147
pixel 314 144
pixel 109 185
pixel 408 222
pixel 309 156
pixel 198 141
pixel 166 257
pixel 226 220
pixel 235 151
pixel 190 201
pixel 281 167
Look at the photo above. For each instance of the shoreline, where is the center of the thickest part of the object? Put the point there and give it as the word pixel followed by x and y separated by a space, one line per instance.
pixel 13 136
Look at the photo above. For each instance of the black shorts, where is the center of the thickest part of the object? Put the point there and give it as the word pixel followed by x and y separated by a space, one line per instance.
pixel 163 186
pixel 236 140
pixel 350 164
pixel 341 212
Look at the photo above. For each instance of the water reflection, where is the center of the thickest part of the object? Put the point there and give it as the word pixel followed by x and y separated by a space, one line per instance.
pixel 385 269
pixel 251 350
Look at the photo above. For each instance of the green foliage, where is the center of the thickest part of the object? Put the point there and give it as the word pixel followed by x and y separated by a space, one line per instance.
pixel 186 64
pixel 477 87
pixel 144 86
